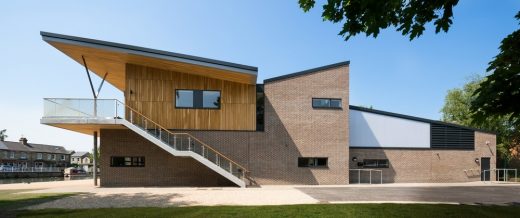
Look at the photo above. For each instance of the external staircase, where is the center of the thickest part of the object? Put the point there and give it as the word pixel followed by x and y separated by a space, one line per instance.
pixel 66 111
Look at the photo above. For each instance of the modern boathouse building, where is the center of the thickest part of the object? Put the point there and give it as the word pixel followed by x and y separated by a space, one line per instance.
pixel 192 121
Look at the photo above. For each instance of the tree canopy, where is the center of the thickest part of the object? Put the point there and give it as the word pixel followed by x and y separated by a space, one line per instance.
pixel 457 109
pixel 3 136
pixel 498 95
pixel 370 16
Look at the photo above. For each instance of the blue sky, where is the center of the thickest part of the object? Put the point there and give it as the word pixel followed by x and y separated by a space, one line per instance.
pixel 389 73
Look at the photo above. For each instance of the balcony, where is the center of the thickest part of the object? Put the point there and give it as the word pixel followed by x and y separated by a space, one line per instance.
pixel 83 115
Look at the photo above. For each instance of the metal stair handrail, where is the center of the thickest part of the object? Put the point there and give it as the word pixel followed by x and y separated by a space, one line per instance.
pixel 187 134
pixel 117 113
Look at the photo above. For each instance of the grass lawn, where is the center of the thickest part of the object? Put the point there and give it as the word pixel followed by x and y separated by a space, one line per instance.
pixel 323 210
pixel 14 203
pixel 11 200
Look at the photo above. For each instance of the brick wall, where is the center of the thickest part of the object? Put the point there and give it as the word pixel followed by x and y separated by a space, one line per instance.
pixel 428 165
pixel 161 168
pixel 292 129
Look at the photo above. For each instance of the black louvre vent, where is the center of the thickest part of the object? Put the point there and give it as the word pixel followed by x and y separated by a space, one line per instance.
pixel 450 137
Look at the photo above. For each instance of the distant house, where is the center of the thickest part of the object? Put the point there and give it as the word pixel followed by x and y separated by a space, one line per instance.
pixel 82 159
pixel 23 154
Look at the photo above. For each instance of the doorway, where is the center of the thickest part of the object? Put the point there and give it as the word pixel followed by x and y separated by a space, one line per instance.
pixel 485 165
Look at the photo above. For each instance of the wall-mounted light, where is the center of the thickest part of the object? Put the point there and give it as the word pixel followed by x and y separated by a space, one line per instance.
pixel 477 160
pixel 354 159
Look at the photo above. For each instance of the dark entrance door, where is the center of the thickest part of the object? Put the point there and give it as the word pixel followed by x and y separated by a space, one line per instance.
pixel 484 165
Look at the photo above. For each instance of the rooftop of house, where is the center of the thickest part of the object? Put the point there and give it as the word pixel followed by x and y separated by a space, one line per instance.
pixel 24 145
pixel 80 154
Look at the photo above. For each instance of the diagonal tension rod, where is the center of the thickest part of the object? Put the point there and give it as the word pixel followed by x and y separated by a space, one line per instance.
pixel 90 79
pixel 101 85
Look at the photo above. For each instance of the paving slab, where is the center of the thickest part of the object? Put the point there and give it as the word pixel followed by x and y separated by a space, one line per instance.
pixel 492 194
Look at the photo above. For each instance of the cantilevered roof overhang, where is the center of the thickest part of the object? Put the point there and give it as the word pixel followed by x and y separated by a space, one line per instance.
pixel 108 57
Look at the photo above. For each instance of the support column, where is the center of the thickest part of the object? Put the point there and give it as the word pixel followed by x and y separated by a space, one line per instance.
pixel 95 157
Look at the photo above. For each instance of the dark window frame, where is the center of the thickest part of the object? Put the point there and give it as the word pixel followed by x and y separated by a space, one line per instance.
pixel 327 107
pixel 195 101
pixel 317 160
pixel 132 162
pixel 378 164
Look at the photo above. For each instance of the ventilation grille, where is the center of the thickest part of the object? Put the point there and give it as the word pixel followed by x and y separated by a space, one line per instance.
pixel 450 137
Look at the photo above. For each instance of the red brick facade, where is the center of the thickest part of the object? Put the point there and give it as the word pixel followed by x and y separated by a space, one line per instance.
pixel 427 165
pixel 293 128
pixel 161 168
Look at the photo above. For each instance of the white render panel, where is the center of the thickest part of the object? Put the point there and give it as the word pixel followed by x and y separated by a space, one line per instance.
pixel 376 130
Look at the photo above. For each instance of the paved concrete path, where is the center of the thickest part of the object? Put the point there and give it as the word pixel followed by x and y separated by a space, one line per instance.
pixel 491 194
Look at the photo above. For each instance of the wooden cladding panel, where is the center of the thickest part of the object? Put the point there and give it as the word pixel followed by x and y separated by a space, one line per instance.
pixel 153 94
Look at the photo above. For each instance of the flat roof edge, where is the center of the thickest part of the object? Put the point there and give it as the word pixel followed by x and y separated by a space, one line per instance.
pixel 154 53
pixel 309 71
pixel 408 117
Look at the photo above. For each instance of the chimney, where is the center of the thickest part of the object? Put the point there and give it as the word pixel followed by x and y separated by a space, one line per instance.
pixel 23 140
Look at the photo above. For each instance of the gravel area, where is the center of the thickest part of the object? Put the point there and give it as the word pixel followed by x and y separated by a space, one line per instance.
pixel 166 198
pixel 94 197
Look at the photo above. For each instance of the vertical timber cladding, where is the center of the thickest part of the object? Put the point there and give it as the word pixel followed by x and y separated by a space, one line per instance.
pixel 151 91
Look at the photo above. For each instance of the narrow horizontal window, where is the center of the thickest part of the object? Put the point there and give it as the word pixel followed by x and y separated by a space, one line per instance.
pixel 375 163
pixel 197 99
pixel 312 162
pixel 333 103
pixel 126 161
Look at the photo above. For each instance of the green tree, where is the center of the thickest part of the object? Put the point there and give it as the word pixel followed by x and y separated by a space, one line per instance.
pixel 91 154
pixel 3 136
pixel 457 109
pixel 370 16
pixel 498 95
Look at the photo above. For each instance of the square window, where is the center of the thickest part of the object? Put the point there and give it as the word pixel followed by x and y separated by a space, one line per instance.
pixel 335 103
pixel 211 99
pixel 184 98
